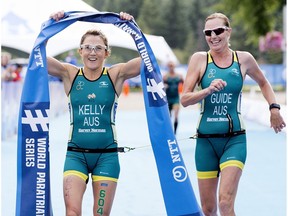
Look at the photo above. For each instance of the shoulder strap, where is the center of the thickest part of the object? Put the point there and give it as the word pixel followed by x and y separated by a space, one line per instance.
pixel 209 60
pixel 235 57
pixel 80 72
pixel 105 71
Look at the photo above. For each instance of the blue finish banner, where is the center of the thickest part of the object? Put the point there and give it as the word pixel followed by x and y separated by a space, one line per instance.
pixel 33 173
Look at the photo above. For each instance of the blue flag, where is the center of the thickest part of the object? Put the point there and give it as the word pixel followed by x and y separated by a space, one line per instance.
pixel 33 173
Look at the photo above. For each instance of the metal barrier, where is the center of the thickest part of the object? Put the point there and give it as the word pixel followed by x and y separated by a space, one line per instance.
pixel 10 101
pixel 275 73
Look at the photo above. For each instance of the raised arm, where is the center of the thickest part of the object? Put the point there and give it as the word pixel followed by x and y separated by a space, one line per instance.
pixel 123 71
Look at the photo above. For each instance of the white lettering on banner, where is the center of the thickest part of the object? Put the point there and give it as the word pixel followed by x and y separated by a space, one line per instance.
pixel 140 45
pixel 144 55
pixel 30 152
pixel 39 119
pixel 38 57
pixel 179 172
pixel 41 153
pixel 174 152
pixel 129 30
pixel 40 193
pixel 154 88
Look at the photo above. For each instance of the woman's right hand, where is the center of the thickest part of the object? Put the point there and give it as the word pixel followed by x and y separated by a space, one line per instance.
pixel 57 15
pixel 126 16
pixel 217 85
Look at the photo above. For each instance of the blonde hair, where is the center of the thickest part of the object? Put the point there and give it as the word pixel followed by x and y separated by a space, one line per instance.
pixel 221 16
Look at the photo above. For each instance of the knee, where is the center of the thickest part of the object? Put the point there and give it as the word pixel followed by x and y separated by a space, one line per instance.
pixel 70 211
pixel 226 206
pixel 209 210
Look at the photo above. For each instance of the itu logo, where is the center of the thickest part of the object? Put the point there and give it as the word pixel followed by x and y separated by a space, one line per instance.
pixel 36 119
pixel 157 91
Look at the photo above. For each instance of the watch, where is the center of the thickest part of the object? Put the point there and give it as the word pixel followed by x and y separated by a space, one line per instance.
pixel 274 105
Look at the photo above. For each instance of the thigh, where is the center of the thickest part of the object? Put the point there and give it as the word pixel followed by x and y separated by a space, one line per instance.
pixel 107 168
pixel 235 152
pixel 206 159
pixel 76 164
pixel 208 193
pixel 73 190
pixel 232 163
pixel 229 181
pixel 105 177
pixel 104 193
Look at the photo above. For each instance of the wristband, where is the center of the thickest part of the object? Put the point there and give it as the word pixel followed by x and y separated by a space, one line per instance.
pixel 274 105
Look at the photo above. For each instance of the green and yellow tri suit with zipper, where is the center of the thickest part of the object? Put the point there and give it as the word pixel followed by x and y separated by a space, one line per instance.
pixel 92 106
pixel 221 138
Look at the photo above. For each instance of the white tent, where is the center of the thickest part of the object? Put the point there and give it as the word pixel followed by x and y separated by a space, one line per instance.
pixel 21 21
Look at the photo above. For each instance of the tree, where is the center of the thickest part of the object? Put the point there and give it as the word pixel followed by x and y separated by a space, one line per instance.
pixel 150 19
pixel 255 16
pixel 176 27
pixel 181 22
pixel 132 7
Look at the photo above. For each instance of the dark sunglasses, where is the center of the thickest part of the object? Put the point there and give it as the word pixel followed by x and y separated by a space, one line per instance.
pixel 217 31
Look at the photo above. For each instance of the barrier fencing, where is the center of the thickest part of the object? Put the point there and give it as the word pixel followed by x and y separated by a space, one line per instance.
pixel 11 94
pixel 10 101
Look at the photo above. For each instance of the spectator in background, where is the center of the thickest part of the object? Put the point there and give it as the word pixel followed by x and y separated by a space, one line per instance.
pixel 5 59
pixel 5 65
pixel 16 73
pixel 172 81
pixel 13 73
pixel 71 58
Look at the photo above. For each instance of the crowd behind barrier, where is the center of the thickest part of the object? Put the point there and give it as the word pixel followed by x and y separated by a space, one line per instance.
pixel 10 101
